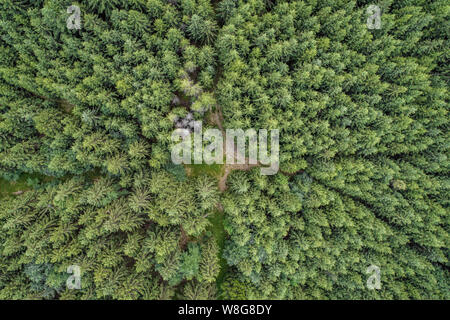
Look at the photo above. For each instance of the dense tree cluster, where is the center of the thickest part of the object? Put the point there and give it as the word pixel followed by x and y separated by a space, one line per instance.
pixel 364 130
pixel 364 169
pixel 129 243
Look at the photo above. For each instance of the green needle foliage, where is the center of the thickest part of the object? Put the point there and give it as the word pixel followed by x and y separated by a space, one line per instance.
pixel 86 116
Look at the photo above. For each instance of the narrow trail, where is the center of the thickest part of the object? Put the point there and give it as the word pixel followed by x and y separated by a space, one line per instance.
pixel 217 118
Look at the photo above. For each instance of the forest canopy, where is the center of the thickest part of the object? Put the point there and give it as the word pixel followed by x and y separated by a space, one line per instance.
pixel 86 177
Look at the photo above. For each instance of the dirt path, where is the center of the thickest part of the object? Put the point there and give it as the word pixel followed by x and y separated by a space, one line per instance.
pixel 217 118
